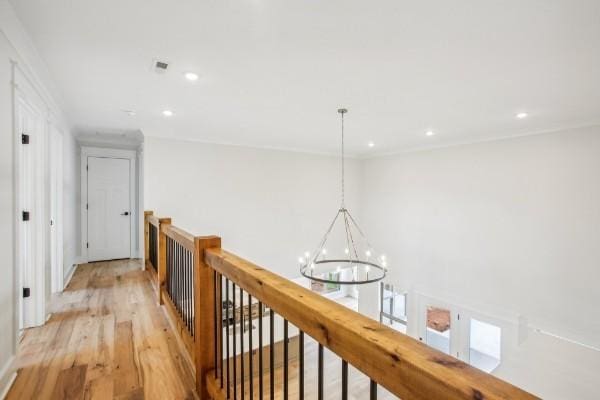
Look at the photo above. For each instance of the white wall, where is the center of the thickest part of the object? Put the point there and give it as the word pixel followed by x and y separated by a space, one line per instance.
pixel 268 206
pixel 509 228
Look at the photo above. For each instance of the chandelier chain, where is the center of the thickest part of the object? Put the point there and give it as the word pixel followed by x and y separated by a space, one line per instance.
pixel 343 172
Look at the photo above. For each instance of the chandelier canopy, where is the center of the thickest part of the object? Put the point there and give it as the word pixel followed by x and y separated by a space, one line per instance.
pixel 344 256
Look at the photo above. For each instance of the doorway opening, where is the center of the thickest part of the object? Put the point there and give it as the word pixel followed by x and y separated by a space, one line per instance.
pixel 111 196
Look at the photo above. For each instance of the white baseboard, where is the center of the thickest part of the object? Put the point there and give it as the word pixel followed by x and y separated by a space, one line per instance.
pixel 7 377
pixel 70 275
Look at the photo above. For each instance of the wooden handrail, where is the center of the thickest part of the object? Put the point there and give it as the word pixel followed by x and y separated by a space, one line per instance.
pixel 182 237
pixel 404 366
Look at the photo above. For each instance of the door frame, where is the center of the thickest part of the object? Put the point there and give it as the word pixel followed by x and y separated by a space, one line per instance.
pixel 424 302
pixel 55 206
pixel 131 155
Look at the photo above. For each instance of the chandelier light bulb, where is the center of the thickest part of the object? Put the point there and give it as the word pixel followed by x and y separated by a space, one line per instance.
pixel 368 253
pixel 312 265
pixel 346 250
pixel 367 268
pixel 301 260
pixel 307 254
pixel 324 251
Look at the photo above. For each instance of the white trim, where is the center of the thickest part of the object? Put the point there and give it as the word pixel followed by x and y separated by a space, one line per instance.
pixel 69 276
pixel 140 253
pixel 7 377
pixel 56 175
pixel 131 155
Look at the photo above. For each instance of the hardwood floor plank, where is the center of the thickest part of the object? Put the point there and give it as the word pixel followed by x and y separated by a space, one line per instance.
pixel 126 369
pixel 70 383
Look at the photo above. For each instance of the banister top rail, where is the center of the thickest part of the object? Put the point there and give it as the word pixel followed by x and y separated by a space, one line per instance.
pixel 404 366
pixel 156 221
pixel 182 237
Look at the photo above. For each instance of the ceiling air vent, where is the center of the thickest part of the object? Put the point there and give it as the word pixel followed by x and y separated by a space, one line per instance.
pixel 160 66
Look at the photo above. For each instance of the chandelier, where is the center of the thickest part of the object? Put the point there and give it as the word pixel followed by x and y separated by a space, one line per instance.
pixel 344 256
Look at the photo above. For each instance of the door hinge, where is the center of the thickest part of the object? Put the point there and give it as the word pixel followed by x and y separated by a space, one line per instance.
pixel 87 245
pixel 87 206
pixel 24 138
pixel 26 292
pixel 87 167
pixel 25 215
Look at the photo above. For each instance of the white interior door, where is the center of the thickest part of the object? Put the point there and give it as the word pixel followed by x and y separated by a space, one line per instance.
pixel 109 214
pixel 30 232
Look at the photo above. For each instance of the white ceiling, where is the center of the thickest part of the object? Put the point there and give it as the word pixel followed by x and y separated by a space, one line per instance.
pixel 273 73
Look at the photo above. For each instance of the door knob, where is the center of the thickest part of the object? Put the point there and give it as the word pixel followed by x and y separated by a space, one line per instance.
pixel 125 213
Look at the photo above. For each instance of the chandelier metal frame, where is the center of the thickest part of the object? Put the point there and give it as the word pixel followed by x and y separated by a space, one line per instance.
pixel 366 266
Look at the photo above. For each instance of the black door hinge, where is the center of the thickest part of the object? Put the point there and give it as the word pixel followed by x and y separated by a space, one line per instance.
pixel 87 206
pixel 87 245
pixel 24 138
pixel 25 215
pixel 26 292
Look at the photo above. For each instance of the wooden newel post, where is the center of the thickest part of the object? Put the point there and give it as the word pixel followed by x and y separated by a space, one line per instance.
pixel 204 289
pixel 146 236
pixel 161 268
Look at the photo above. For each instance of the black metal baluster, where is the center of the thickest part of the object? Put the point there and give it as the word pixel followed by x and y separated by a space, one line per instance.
pixel 242 378
pixel 301 366
pixel 220 308
pixel 285 359
pixel 190 301
pixel 193 301
pixel 234 348
pixel 179 280
pixel 344 380
pixel 250 350
pixel 186 289
pixel 186 286
pixel 260 350
pixel 271 354
pixel 176 276
pixel 320 377
pixel 373 390
pixel 168 257
pixel 190 293
pixel 227 331
pixel 216 339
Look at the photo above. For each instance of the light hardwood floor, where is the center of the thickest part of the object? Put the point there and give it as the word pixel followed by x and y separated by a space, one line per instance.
pixel 107 338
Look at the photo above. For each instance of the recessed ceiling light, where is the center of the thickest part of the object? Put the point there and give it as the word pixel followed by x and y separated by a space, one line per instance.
pixel 190 76
pixel 167 113
pixel 430 133
pixel 522 115
pixel 371 144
